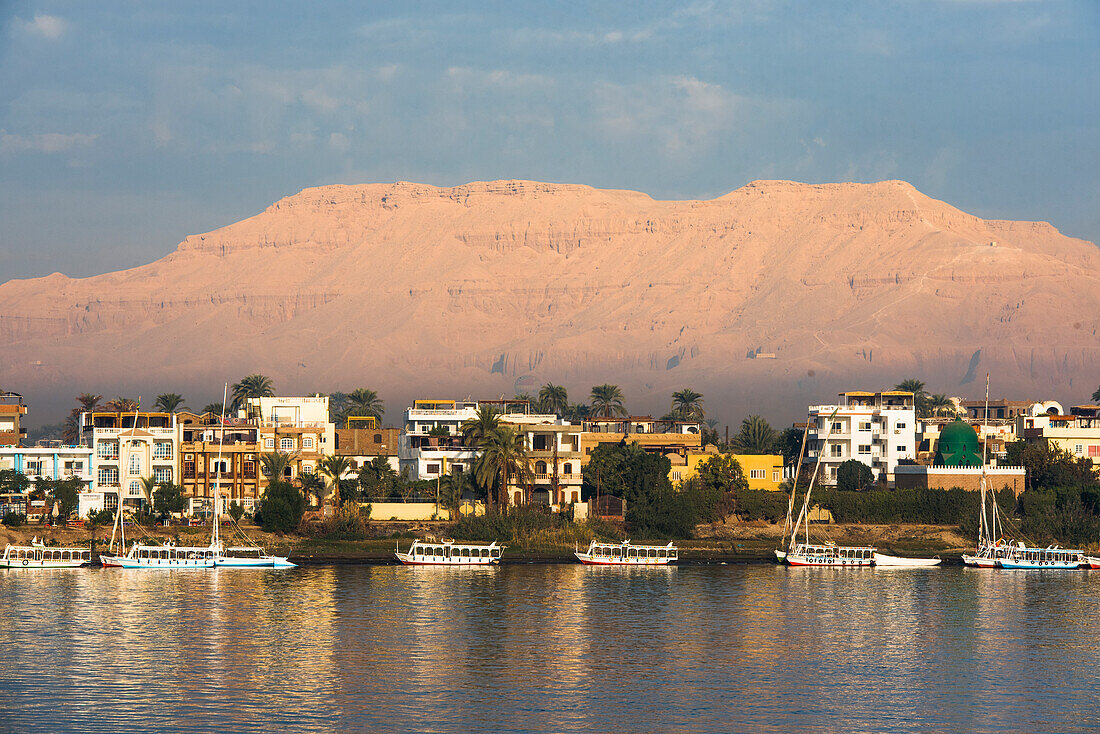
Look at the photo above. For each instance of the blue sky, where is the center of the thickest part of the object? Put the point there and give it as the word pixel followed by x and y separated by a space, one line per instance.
pixel 125 127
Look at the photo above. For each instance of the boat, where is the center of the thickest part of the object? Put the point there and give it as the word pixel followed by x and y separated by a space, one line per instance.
pixel 167 556
pixel 446 552
pixel 882 559
pixel 627 554
pixel 1052 557
pixel 1091 562
pixel 830 554
pixel 37 555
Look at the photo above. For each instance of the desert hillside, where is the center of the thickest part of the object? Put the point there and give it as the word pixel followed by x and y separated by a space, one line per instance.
pixel 417 290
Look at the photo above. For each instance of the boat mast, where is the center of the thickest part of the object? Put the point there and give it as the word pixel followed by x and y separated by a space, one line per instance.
pixel 215 539
pixel 804 514
pixel 119 525
pixel 991 529
pixel 794 485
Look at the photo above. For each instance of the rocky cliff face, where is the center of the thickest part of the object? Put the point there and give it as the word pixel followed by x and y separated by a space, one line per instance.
pixel 413 289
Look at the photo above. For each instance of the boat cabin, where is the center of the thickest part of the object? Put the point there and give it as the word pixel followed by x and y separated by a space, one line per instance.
pixel 426 551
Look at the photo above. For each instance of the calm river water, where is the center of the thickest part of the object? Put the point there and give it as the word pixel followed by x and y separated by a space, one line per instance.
pixel 549 649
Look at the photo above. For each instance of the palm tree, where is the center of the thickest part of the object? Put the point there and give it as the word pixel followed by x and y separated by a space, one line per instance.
pixel 503 460
pixel 275 464
pixel 755 437
pixel 688 404
pixel 607 401
pixel 477 429
pixel 334 467
pixel 169 401
pixel 554 398
pixel 313 484
pixel 920 395
pixel 148 486
pixel 1096 396
pixel 253 386
pixel 215 408
pixel 941 405
pixel 88 401
pixel 577 412
pixel 451 489
pixel 122 405
pixel 362 403
pixel 377 479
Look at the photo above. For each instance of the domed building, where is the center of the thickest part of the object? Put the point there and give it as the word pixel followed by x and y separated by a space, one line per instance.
pixel 958 446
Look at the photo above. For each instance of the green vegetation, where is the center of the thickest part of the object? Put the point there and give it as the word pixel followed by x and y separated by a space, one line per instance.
pixel 359 403
pixel 854 475
pixel 14 519
pixel 281 508
pixel 533 529
pixel 236 512
pixel 607 401
pixel 687 405
pixel 253 386
pixel 169 402
pixel 755 437
pixel 168 499
pixel 553 399
pixel 122 405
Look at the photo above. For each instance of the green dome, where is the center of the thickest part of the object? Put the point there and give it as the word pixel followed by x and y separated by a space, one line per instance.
pixel 958 446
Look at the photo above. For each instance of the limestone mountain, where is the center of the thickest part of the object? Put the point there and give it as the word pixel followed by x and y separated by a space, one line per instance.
pixel 772 296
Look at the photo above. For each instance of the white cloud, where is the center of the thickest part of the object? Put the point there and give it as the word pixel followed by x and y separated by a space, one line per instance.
pixel 46 26
pixel 43 142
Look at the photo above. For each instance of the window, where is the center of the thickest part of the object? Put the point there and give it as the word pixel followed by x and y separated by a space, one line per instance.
pixel 1079 449
pixel 135 464
pixel 249 469
pixel 458 468
pixel 866 426
pixel 540 442
pixel 269 443
pixel 838 426
pixel 540 467
pixel 135 489
pixel 189 470
pixel 1094 451
pixel 776 476
pixel 74 468
pixel 758 474
pixel 900 425
pixel 286 444
pixel 836 450
pixel 307 442
pixel 567 468
pixel 162 450
pixel 107 450
pixel 433 468
pixel 865 448
pixel 34 468
pixel 902 449
pixel 378 438
pixel 219 467
pixel 162 475
pixel 110 501
pixel 307 468
pixel 675 476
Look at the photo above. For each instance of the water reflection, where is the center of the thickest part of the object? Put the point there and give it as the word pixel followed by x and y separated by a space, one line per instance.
pixel 549 648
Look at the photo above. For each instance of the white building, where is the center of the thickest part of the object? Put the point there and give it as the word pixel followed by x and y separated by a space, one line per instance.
pixel 422 455
pixel 128 447
pixel 878 429
pixel 298 427
pixel 47 462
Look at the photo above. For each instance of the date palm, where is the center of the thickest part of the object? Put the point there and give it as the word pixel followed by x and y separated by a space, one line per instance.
pixel 215 408
pixel 554 398
pixel 688 405
pixel 314 485
pixel 755 437
pixel 122 405
pixel 476 430
pixel 334 467
pixel 274 464
pixel 252 386
pixel 503 460
pixel 1096 396
pixel 920 395
pixel 361 403
pixel 88 401
pixel 940 405
pixel 169 402
pixel 607 401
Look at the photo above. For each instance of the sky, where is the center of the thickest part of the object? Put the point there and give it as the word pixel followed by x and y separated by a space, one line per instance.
pixel 126 126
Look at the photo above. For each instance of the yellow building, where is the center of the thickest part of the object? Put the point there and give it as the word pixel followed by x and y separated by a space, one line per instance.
pixel 762 471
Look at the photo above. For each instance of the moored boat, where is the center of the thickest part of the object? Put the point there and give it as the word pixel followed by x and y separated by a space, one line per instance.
pixel 447 552
pixel 163 557
pixel 1091 562
pixel 627 554
pixel 1051 557
pixel 38 555
pixel 882 559
pixel 248 556
pixel 830 554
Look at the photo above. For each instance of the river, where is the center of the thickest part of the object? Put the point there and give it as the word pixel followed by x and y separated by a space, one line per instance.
pixel 549 648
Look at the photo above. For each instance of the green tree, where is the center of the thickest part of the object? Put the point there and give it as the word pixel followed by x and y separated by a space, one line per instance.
pixel 377 479
pixel 653 507
pixel 169 402
pixel 1048 467
pixel 476 430
pixel 168 499
pixel 14 482
pixel 215 408
pixel 714 488
pixel 502 461
pixel 554 398
pixel 252 386
pixel 122 405
pixel 1096 396
pixel 790 445
pixel 275 463
pixel 88 402
pixel 66 494
pixel 920 395
pixel 334 467
pixel 281 507
pixel 362 403
pixel 755 437
pixel 313 485
pixel 577 412
pixel 453 486
pixel 607 401
pixel 236 512
pixel 687 405
pixel 853 475
pixel 939 405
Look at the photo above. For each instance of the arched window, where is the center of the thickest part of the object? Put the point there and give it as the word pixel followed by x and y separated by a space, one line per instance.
pixel 135 464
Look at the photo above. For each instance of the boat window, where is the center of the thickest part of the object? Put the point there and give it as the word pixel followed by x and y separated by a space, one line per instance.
pixel 616 552
pixel 672 553
pixel 439 551
pixel 661 553
pixel 495 553
pixel 632 552
pixel 465 552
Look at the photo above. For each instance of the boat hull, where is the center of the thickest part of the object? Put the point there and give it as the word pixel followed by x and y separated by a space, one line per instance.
pixel 978 561
pixel 29 563
pixel 590 561
pixel 1053 565
pixel 162 564
pixel 794 560
pixel 881 559
pixel 463 562
pixel 1091 562
pixel 262 562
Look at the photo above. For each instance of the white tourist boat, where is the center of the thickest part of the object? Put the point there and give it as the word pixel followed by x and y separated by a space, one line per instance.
pixel 830 554
pixel 627 554
pixel 164 557
pixel 446 552
pixel 1052 557
pixel 38 555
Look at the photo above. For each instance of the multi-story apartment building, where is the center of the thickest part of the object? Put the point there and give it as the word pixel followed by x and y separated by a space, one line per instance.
pixel 298 427
pixel 127 447
pixel 652 435
pixel 432 442
pixel 554 454
pixel 876 428
pixel 216 456
pixel 1078 433
pixel 11 412
pixel 1000 410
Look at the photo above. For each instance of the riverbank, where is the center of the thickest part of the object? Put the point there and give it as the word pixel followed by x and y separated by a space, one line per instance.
pixel 732 542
